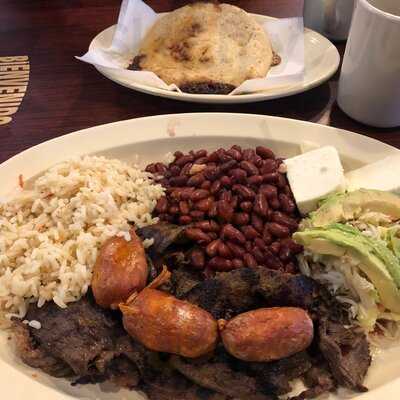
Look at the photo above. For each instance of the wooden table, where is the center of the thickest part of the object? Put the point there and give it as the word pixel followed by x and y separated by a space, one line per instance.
pixel 64 95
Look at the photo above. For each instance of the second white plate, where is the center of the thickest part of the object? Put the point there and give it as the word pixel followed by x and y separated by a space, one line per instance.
pixel 321 62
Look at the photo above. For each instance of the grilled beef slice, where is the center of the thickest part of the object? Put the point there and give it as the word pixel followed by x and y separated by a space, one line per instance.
pixel 82 338
pixel 237 291
pixel 347 353
pixel 34 355
pixel 217 375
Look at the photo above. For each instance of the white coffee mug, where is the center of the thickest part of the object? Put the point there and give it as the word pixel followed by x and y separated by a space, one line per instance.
pixel 369 85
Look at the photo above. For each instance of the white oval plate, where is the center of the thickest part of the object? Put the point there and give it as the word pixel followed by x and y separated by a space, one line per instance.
pixel 150 139
pixel 321 62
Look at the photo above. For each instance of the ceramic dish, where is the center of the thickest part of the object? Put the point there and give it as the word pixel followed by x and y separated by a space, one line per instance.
pixel 146 140
pixel 321 62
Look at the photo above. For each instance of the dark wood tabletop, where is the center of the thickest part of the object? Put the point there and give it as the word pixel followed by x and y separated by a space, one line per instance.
pixel 64 95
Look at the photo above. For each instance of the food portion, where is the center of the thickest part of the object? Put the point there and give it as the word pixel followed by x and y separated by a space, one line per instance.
pixel 206 47
pixel 267 334
pixel 351 245
pixel 380 175
pixel 50 234
pixel 120 269
pixel 199 278
pixel 315 175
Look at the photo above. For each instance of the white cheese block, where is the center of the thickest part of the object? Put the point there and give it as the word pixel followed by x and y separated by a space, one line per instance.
pixel 381 175
pixel 313 176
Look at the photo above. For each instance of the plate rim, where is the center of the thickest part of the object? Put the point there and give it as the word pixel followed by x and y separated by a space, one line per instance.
pixel 37 389
pixel 225 99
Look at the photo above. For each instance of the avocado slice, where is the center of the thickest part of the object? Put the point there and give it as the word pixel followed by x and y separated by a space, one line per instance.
pixel 341 207
pixel 376 261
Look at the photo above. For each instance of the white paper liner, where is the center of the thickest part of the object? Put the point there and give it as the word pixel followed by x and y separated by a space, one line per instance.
pixel 135 19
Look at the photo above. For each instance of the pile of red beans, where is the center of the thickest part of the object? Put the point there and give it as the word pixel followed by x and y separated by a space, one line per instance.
pixel 237 204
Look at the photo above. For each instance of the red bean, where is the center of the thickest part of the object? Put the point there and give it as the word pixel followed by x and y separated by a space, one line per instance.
pixel 225 181
pixel 185 220
pixel 201 161
pixel 200 153
pixel 206 185
pixel 284 253
pixel 204 204
pixel 272 261
pixel 173 210
pixel 213 235
pixel 287 204
pixel 249 167
pixel 151 168
pixel 220 264
pixel 249 232
pixel 238 175
pixel 181 161
pixel 248 154
pixel 161 168
pixel 275 247
pixel 243 191
pixel 235 154
pixel 228 165
pixel 215 187
pixel 224 251
pixel 178 180
pixel 212 248
pixel 184 193
pixel 294 247
pixel 283 219
pixel 237 250
pixel 267 237
pixel 185 171
pixel 271 177
pixel 197 215
pixel 203 225
pixel 235 201
pixel 225 195
pixel 231 233
pixel 265 152
pixel 197 234
pixel 212 173
pixel 213 157
pixel 246 206
pixel 241 218
pixel 178 154
pixel 260 244
pixel 255 180
pixel 261 205
pixel 225 210
pixel 175 170
pixel 257 222
pixel 258 255
pixel 213 212
pixel 199 194
pixel 196 180
pixel 278 230
pixel 249 260
pixel 269 191
pixel 274 203
pixel 162 205
pixel 184 207
pixel 237 263
pixel 268 167
pixel 281 182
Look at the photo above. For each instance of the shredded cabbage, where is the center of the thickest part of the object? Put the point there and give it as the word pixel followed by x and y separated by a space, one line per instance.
pixel 345 280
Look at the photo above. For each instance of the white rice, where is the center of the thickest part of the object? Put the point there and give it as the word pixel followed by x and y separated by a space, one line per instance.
pixel 50 235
